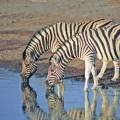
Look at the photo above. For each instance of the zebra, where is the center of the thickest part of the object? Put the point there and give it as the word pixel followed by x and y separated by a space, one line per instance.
pixel 100 43
pixel 50 38
pixel 30 106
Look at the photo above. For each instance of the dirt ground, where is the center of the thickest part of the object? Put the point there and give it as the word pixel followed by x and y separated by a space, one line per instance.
pixel 20 19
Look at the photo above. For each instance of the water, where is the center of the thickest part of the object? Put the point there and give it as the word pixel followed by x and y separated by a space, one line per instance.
pixel 22 104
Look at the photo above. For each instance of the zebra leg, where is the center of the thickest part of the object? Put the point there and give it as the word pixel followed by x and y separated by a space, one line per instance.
pixel 88 66
pixel 95 84
pixel 116 71
pixel 102 71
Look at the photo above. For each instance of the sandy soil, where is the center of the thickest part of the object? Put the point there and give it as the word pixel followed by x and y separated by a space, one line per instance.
pixel 20 19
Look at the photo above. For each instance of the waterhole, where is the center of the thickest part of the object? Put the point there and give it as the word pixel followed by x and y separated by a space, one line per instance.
pixel 30 102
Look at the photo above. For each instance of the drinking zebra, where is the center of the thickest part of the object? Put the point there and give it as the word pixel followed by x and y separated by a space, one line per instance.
pixel 100 43
pixel 50 38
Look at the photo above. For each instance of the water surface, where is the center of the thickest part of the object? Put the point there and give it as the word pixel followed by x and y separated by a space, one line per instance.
pixel 21 104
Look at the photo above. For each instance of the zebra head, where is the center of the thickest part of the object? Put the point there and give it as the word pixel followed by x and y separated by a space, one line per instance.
pixel 29 67
pixel 55 70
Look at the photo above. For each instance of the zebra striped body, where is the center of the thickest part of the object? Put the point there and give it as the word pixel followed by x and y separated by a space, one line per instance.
pixel 101 43
pixel 50 38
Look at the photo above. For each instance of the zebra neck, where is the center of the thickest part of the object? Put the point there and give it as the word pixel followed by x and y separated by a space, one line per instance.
pixel 41 42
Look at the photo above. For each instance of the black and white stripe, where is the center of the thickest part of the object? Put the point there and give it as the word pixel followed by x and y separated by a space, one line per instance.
pixel 100 43
pixel 50 38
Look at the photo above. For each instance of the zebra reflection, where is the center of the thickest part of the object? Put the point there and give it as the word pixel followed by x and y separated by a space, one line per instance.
pixel 33 111
pixel 30 106
pixel 109 109
pixel 56 106
pixel 57 112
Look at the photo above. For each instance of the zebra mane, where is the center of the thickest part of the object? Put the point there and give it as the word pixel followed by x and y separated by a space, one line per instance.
pixel 24 54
